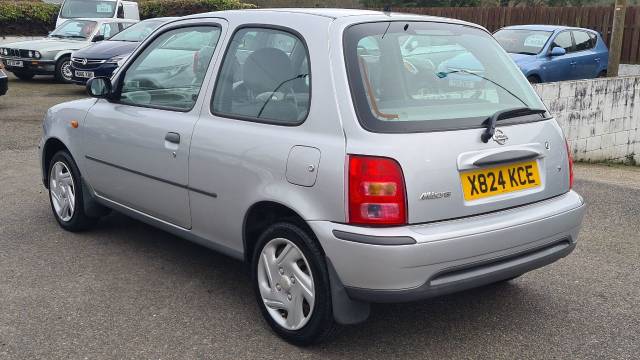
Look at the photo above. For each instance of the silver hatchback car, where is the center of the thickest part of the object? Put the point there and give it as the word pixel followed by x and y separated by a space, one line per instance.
pixel 349 157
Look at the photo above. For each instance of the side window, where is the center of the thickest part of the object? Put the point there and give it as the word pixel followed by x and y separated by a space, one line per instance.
pixel 564 41
pixel 108 30
pixel 583 41
pixel 169 72
pixel 594 39
pixel 123 25
pixel 267 81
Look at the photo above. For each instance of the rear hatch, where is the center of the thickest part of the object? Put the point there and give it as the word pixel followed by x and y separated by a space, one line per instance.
pixel 429 113
pixel 440 167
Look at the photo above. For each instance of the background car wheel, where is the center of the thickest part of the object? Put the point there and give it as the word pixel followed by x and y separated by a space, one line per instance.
pixel 64 73
pixel 65 193
pixel 291 284
pixel 533 79
pixel 603 74
pixel 23 75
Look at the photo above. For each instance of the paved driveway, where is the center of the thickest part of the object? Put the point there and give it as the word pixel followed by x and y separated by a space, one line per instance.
pixel 126 290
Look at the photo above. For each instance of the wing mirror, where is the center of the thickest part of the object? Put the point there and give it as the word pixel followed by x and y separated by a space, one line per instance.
pixel 557 51
pixel 99 87
pixel 97 38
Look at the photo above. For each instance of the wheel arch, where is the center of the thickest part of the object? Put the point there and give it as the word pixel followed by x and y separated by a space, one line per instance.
pixel 62 54
pixel 260 216
pixel 50 148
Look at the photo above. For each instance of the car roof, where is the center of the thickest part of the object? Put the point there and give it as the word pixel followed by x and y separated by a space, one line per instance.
pixel 544 27
pixel 354 15
pixel 101 20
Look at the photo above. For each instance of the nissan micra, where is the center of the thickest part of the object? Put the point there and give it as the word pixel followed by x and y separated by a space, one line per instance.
pixel 343 167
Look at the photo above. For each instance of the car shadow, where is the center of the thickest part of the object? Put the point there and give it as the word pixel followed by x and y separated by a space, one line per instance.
pixel 450 319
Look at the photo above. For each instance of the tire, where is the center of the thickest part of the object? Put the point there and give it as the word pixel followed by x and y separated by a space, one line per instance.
pixel 317 323
pixel 533 79
pixel 23 75
pixel 602 74
pixel 64 73
pixel 65 191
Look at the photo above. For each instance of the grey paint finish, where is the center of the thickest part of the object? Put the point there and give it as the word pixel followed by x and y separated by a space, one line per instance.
pixel 303 165
pixel 223 166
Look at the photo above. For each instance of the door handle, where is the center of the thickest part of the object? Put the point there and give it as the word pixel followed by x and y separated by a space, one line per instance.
pixel 572 63
pixel 172 137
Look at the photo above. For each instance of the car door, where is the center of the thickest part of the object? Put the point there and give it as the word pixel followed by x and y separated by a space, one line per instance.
pixel 137 146
pixel 587 60
pixel 559 68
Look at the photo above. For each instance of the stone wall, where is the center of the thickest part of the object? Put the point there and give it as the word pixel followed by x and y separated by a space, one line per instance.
pixel 599 117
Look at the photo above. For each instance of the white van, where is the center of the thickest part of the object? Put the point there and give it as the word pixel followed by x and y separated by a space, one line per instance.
pixel 118 9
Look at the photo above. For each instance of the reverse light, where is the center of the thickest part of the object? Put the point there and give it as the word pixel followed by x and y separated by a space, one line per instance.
pixel 376 191
pixel 570 159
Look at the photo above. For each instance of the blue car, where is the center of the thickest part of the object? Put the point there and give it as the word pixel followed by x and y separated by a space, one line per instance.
pixel 548 53
pixel 103 58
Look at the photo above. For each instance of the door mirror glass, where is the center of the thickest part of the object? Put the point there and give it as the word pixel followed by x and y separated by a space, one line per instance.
pixel 99 87
pixel 97 38
pixel 558 51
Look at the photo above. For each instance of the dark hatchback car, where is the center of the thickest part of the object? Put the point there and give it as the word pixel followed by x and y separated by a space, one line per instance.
pixel 4 81
pixel 103 58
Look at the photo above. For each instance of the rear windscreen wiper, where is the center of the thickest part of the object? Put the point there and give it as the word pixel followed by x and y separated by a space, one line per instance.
pixel 506 114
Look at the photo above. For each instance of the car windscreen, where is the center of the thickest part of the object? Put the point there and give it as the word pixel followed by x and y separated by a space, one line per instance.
pixel 88 9
pixel 137 32
pixel 528 42
pixel 74 29
pixel 425 76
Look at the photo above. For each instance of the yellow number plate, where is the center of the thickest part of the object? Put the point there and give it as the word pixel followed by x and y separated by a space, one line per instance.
pixel 479 184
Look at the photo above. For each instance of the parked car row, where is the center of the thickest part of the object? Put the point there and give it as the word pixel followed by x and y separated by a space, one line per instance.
pixel 544 53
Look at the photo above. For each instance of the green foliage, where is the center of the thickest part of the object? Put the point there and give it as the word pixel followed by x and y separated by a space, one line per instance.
pixel 159 8
pixel 27 11
pixel 37 18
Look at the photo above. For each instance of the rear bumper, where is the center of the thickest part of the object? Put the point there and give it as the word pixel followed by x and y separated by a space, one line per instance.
pixel 450 256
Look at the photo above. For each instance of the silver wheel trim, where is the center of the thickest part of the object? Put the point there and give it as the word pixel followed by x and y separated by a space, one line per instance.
pixel 65 69
pixel 62 191
pixel 286 284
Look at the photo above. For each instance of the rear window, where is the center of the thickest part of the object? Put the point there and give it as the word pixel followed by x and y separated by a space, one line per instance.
pixel 88 9
pixel 421 76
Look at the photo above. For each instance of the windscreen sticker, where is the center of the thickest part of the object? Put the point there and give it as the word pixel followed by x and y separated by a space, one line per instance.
pixel 535 40
pixel 104 8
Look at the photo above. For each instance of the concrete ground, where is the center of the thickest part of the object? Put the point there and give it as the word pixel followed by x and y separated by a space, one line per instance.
pixel 126 290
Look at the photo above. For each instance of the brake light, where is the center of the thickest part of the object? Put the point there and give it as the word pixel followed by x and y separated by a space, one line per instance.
pixel 570 159
pixel 376 191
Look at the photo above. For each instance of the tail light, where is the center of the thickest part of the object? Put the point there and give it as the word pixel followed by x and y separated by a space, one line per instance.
pixel 376 191
pixel 570 158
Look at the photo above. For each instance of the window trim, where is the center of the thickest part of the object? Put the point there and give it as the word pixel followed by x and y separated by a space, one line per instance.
pixel 119 80
pixel 573 42
pixel 224 57
pixel 589 33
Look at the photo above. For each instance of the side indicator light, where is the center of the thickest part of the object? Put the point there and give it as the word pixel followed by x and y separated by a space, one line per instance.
pixel 74 124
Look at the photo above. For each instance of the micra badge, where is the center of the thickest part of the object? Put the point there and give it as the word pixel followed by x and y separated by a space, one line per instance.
pixel 432 195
